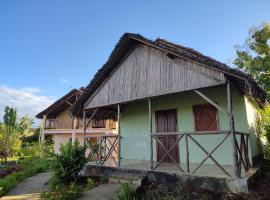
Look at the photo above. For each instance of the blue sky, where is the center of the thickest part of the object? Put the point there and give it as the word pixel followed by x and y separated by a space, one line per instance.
pixel 47 47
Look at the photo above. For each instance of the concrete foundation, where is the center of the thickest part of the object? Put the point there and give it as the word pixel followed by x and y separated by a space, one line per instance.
pixel 213 183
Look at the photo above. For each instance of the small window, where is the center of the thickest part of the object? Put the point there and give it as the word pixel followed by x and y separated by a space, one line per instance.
pixel 98 123
pixel 205 117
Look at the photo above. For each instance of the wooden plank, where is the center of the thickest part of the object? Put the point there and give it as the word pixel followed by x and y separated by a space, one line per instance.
pixel 187 154
pixel 232 128
pixel 210 156
pixel 119 134
pixel 210 101
pixel 171 157
pixel 150 128
pixel 148 72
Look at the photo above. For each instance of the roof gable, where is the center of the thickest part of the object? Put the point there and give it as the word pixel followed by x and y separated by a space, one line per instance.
pixel 61 104
pixel 129 41
pixel 149 72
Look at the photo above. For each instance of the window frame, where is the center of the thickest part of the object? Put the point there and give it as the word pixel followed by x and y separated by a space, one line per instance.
pixel 194 117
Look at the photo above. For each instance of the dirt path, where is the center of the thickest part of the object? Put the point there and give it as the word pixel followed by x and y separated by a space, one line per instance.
pixel 29 189
pixel 102 192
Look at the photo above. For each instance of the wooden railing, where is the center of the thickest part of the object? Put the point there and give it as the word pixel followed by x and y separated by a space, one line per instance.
pixel 58 124
pixel 102 148
pixel 242 150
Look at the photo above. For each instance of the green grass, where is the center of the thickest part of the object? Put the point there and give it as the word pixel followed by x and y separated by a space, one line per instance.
pixel 30 167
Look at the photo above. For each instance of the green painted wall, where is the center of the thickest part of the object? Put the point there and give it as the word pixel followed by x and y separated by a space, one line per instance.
pixel 135 142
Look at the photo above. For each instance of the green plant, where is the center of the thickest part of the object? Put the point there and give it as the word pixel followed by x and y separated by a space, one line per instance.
pixel 90 184
pixel 30 167
pixel 127 191
pixel 254 57
pixel 68 192
pixel 68 164
pixel 66 182
pixel 263 130
pixel 104 179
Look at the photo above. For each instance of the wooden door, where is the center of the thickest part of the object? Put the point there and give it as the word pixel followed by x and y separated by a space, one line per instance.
pixel 166 121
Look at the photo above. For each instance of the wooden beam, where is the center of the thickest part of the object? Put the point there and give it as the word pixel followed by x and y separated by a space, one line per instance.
pixel 232 129
pixel 150 128
pixel 84 127
pixel 187 154
pixel 119 134
pixel 209 155
pixel 91 117
pixel 210 101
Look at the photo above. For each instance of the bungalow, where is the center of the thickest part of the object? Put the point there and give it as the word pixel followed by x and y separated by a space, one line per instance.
pixel 179 112
pixel 57 121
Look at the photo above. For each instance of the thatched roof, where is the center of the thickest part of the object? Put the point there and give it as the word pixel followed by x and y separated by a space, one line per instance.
pixel 61 104
pixel 129 40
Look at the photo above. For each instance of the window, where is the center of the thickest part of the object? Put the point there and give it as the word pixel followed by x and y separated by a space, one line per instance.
pixel 205 117
pixel 98 123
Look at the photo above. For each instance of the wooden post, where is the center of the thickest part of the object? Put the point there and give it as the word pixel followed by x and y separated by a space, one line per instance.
pixel 74 126
pixel 187 153
pixel 232 129
pixel 151 131
pixel 119 134
pixel 42 128
pixel 84 127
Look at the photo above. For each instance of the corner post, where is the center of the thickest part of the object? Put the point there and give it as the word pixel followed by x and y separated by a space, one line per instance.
pixel 74 126
pixel 42 127
pixel 232 129
pixel 151 132
pixel 84 126
pixel 119 134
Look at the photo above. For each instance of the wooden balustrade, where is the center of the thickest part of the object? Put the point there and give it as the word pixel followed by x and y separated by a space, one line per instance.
pixel 102 148
pixel 242 150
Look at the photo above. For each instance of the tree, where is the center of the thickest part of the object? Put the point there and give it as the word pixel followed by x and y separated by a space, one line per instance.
pixel 9 135
pixel 254 57
pixel 25 126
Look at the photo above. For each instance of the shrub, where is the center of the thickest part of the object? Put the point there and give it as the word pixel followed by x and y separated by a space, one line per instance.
pixel 68 164
pixel 67 192
pixel 66 182
pixel 127 191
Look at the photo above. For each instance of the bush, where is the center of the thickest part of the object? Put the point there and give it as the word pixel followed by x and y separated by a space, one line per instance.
pixel 67 192
pixel 69 163
pixel 29 168
pixel 67 183
pixel 127 191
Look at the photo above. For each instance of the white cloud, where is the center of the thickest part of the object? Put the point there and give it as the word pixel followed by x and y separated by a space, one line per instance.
pixel 32 89
pixel 26 100
pixel 64 80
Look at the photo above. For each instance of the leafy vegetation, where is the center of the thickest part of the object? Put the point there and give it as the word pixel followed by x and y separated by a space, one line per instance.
pixel 127 191
pixel 254 57
pixel 67 183
pixel 9 135
pixel 30 167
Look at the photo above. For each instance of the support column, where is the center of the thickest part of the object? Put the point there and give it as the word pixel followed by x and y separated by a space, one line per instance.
pixel 232 129
pixel 119 133
pixel 74 119
pixel 42 127
pixel 84 127
pixel 150 132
